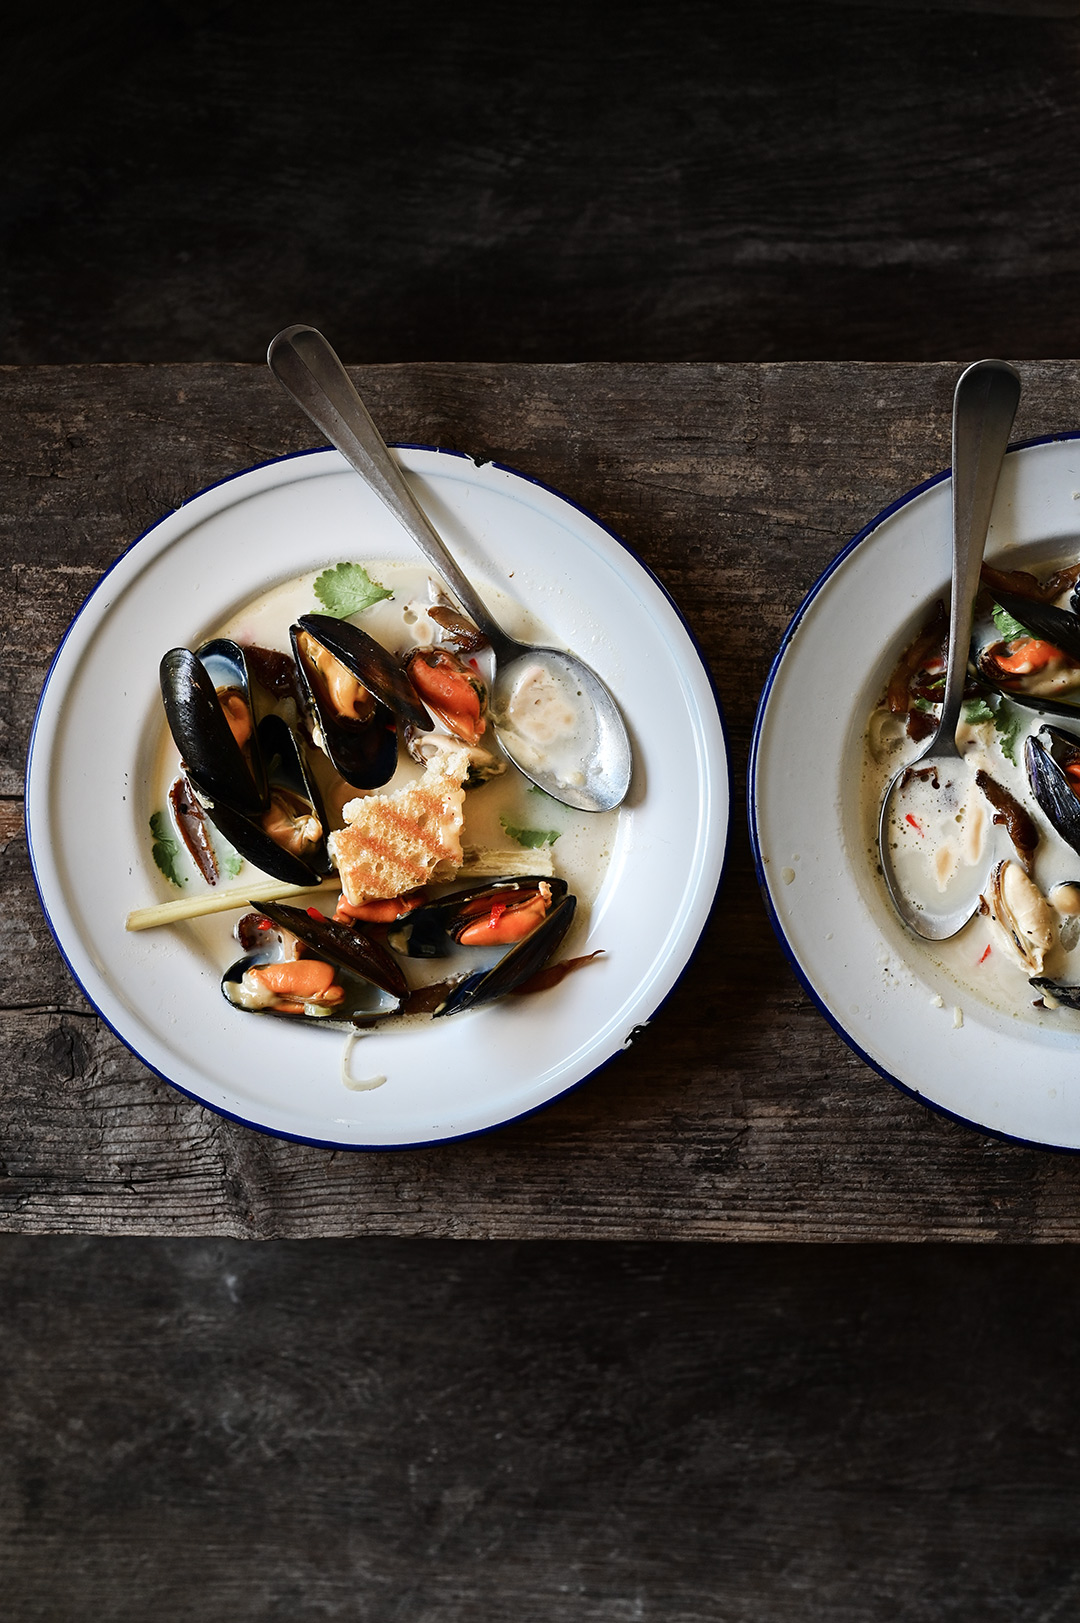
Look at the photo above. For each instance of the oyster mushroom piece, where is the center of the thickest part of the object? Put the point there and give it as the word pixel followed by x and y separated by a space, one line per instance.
pixel 1015 818
pixel 429 748
pixel 1020 917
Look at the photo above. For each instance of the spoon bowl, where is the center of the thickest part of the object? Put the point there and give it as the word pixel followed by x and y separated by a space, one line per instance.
pixel 554 717
pixel 938 782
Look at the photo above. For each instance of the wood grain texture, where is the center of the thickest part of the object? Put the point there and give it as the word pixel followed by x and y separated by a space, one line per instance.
pixel 698 182
pixel 393 1430
pixel 738 1114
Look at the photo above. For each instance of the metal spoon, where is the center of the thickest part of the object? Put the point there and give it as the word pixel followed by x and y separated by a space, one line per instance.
pixel 984 406
pixel 306 366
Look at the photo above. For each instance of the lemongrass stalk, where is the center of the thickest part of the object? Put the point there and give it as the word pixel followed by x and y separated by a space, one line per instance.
pixel 221 901
pixel 480 862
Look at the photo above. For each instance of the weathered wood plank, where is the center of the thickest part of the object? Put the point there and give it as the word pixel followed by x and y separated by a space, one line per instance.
pixel 510 1433
pixel 797 180
pixel 738 1114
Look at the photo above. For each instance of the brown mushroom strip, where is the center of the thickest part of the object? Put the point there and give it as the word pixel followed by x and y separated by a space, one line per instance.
pixel 1008 811
pixel 1025 585
pixel 192 825
pixel 930 642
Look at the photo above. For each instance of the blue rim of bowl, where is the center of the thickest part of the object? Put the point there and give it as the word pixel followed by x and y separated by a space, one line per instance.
pixel 751 799
pixel 509 1121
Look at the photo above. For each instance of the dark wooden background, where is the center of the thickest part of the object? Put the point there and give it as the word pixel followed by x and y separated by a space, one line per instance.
pixel 390 1429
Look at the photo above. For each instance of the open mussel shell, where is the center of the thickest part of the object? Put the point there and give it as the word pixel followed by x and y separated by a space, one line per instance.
pixel 516 966
pixel 1044 754
pixel 192 686
pixel 348 949
pixel 432 931
pixel 369 661
pixel 1067 996
pixel 1058 626
pixel 361 967
pixel 456 694
pixel 362 750
pixel 294 813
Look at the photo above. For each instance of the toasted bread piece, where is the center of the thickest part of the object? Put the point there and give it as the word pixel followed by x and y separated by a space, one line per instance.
pixel 393 843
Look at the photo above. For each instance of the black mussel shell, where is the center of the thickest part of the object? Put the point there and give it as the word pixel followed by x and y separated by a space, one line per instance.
pixel 347 949
pixel 1052 789
pixel 286 772
pixel 520 962
pixel 371 664
pixel 429 931
pixel 361 964
pixel 359 1009
pixel 1069 996
pixel 216 765
pixel 1058 626
pixel 363 752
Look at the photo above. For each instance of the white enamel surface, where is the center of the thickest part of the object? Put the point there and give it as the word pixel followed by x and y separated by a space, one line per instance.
pixel 1015 1076
pixel 89 798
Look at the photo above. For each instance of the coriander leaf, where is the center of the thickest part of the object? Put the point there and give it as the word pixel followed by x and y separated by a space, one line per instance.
pixel 1008 724
pixel 531 838
pixel 922 704
pixel 976 710
pixel 165 849
pixel 230 864
pixel 1010 629
pixel 348 589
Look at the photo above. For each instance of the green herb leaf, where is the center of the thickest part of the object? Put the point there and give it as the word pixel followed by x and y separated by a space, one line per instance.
pixel 922 704
pixel 348 589
pixel 976 710
pixel 165 849
pixel 1010 629
pixel 531 838
pixel 230 864
pixel 1008 724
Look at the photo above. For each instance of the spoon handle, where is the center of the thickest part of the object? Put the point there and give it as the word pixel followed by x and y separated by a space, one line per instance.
pixel 309 369
pixel 984 406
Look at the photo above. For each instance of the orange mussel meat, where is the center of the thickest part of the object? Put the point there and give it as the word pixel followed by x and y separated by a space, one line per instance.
pixel 453 691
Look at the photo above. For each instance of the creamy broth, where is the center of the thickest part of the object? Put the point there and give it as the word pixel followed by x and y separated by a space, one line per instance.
pixel 965 833
pixel 581 853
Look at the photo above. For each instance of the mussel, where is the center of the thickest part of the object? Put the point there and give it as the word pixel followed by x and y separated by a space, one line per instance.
pixel 455 693
pixel 1020 915
pixel 207 698
pixel 522 961
pixel 250 780
pixel 1052 761
pixel 499 913
pixel 288 839
pixel 530 916
pixel 312 968
pixel 1041 671
pixel 1068 996
pixel 357 692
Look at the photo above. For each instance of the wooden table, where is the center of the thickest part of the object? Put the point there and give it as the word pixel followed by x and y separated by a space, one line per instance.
pixel 738 1114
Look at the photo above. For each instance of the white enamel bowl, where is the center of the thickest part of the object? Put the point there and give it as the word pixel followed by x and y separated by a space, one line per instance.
pixel 884 992
pixel 89 798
